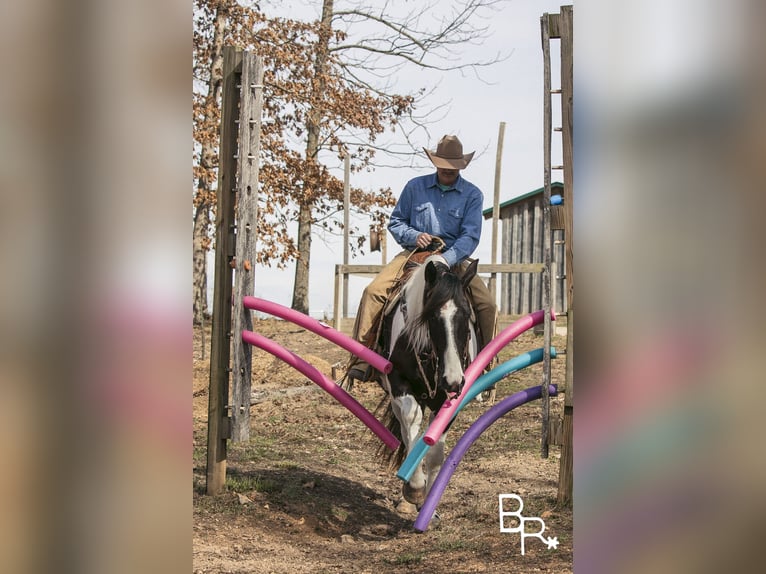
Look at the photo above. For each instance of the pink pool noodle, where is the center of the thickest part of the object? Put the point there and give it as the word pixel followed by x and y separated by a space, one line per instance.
pixel 324 383
pixel 445 414
pixel 321 329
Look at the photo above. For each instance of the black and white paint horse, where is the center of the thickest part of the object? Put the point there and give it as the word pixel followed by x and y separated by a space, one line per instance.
pixel 430 339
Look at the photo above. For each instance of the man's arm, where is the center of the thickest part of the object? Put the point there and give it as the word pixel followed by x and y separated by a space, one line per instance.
pixel 399 223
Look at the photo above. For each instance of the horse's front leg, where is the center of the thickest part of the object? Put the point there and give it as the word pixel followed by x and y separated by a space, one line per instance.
pixel 410 415
pixel 434 460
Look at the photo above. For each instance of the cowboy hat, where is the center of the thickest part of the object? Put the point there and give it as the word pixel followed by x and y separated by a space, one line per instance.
pixel 449 154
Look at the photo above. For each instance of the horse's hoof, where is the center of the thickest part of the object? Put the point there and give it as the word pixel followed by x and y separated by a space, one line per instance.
pixel 405 507
pixel 416 496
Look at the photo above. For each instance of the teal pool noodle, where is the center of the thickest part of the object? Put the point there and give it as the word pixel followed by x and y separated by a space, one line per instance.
pixel 519 362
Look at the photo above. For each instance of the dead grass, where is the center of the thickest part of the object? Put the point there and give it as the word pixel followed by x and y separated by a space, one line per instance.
pixel 320 502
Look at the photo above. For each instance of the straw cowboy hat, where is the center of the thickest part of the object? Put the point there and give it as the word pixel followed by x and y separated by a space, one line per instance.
pixel 449 154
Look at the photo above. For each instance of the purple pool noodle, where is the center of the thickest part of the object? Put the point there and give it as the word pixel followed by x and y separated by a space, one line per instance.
pixel 473 432
pixel 325 383
pixel 420 448
pixel 321 329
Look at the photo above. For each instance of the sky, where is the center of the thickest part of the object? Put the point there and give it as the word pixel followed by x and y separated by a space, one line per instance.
pixel 512 94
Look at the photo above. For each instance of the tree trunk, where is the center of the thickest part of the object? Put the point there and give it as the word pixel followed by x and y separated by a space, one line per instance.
pixel 313 122
pixel 199 262
pixel 205 197
pixel 301 288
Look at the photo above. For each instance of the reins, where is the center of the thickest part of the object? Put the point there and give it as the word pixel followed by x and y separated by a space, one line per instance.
pixel 432 390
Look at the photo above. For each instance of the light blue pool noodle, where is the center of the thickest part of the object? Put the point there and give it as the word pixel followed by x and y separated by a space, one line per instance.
pixel 519 362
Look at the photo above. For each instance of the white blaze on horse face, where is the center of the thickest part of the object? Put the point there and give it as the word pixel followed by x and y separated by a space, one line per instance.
pixel 453 369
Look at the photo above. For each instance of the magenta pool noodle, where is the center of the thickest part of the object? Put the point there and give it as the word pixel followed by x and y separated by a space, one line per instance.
pixel 321 329
pixel 445 414
pixel 324 383
pixel 474 431
pixel 420 448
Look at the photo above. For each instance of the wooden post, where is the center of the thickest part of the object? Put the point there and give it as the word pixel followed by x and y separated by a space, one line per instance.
pixel 346 209
pixel 566 478
pixel 217 421
pixel 384 247
pixel 496 206
pixel 336 319
pixel 251 102
pixel 547 127
pixel 567 63
pixel 566 29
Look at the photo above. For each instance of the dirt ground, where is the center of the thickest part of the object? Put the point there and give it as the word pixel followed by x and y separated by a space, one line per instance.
pixel 306 494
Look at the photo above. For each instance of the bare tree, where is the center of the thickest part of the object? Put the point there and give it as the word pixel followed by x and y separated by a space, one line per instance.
pixel 209 32
pixel 366 47
pixel 328 92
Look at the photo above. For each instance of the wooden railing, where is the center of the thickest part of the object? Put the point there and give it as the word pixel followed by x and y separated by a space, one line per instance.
pixel 343 271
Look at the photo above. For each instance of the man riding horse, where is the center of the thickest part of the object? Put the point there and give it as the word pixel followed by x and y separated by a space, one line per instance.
pixel 441 205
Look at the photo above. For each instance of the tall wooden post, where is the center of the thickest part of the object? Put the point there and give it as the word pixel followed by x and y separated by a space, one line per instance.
pixel 546 277
pixel 251 103
pixel 496 206
pixel 384 247
pixel 218 429
pixel 561 26
pixel 346 210
pixel 566 29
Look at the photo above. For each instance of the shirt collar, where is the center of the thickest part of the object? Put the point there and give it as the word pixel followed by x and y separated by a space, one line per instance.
pixel 457 186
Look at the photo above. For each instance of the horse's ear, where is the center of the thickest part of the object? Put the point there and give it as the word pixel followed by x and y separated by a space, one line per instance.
pixel 470 272
pixel 431 272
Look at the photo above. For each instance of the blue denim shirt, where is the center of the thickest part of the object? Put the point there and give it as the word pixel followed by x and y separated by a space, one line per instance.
pixel 454 215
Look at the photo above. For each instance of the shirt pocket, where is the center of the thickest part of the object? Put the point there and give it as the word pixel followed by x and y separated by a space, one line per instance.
pixel 453 220
pixel 423 218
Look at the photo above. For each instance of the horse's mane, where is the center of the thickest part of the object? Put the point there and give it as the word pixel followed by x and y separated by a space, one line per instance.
pixel 418 309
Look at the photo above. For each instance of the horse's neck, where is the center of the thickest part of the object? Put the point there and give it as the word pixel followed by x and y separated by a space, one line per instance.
pixel 473 343
pixel 397 328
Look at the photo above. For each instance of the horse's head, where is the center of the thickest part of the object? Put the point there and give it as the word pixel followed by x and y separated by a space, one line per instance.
pixel 447 312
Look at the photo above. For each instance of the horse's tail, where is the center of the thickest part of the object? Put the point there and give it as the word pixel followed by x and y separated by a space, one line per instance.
pixel 390 458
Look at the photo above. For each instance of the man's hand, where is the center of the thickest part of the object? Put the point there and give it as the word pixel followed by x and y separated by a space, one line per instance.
pixel 423 241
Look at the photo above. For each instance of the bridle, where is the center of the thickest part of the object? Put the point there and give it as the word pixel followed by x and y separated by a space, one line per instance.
pixel 432 356
pixel 437 245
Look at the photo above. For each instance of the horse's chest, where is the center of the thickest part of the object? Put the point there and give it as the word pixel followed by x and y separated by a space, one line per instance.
pixel 416 376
